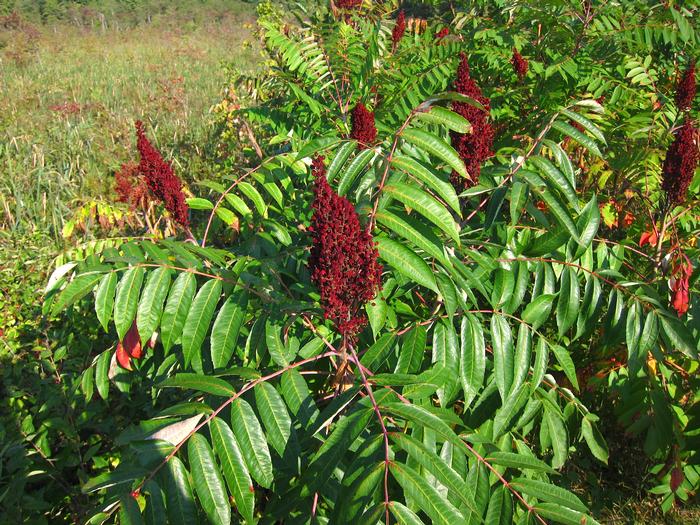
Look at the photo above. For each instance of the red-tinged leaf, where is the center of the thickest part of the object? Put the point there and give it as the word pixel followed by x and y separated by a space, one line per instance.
pixel 123 357
pixel 132 342
pixel 650 238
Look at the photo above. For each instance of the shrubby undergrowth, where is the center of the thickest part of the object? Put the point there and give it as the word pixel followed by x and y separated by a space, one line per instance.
pixel 460 234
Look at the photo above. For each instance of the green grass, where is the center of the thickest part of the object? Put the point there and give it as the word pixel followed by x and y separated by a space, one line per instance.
pixel 71 96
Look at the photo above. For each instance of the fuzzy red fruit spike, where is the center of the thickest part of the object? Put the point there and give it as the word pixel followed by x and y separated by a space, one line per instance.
pixel 399 28
pixel 130 188
pixel 680 163
pixel 520 64
pixel 363 129
pixel 475 147
pixel 442 34
pixel 685 91
pixel 161 178
pixel 343 260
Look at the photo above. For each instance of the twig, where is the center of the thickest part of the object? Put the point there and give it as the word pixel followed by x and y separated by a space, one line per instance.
pixel 387 448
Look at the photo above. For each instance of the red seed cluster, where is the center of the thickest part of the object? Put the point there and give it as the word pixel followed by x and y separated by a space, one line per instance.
pixel 343 259
pixel 348 4
pixel 130 188
pixel 680 163
pixel 519 64
pixel 475 147
pixel 685 92
pixel 363 129
pixel 161 179
pixel 442 33
pixel 399 28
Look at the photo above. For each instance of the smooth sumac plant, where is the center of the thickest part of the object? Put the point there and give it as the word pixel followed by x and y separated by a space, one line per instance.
pixel 375 345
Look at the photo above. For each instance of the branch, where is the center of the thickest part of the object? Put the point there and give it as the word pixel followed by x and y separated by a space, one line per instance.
pixel 248 386
pixel 387 449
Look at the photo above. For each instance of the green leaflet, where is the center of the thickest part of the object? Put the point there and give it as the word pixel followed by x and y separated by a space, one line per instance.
pixel 502 343
pixel 129 512
pixel 404 515
pixel 249 434
pixel 274 416
pixel 500 509
pixel 178 494
pixel 226 328
pixel 333 449
pixel 150 306
pixel 425 240
pixel 197 322
pixel 561 514
pixel 518 461
pixel 254 195
pixel 548 492
pixel 558 436
pixel 76 290
pixel 537 311
pixel 207 480
pixel 426 205
pixel 406 262
pixel 445 117
pixel 350 173
pixel 104 299
pixel 472 362
pixel 341 156
pixel 412 350
pixel 232 464
pixel 436 466
pixel 595 441
pixel 503 285
pixel 427 176
pixel 440 510
pixel 557 178
pixel 209 384
pixel 176 308
pixel 126 300
pixel 568 302
pixel 521 362
pixel 581 138
pixel 566 363
pixel 437 147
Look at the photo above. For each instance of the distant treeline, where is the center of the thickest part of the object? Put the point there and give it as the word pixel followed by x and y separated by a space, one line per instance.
pixel 128 12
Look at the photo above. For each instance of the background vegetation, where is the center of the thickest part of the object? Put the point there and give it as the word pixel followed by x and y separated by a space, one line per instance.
pixel 76 75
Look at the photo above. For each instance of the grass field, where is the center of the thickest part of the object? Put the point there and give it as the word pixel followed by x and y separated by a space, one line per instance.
pixel 71 96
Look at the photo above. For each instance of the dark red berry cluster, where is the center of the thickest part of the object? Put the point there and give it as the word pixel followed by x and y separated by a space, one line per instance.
pixel 161 179
pixel 399 28
pixel 363 129
pixel 685 91
pixel 519 64
pixel 475 147
pixel 442 33
pixel 343 259
pixel 680 163
pixel 131 189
